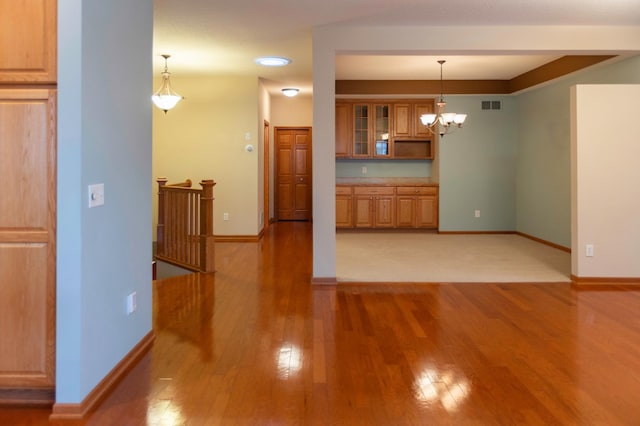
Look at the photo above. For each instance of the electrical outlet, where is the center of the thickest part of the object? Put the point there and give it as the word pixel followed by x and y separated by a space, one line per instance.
pixel 477 213
pixel 225 216
pixel 364 170
pixel 589 250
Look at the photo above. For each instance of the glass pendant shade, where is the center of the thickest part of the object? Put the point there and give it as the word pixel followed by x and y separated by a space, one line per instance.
pixel 165 98
pixel 428 119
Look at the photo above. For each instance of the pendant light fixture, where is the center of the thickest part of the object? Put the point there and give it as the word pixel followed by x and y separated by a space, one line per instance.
pixel 165 97
pixel 442 122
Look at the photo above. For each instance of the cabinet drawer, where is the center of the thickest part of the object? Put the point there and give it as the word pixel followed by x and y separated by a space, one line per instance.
pixel 343 190
pixel 417 190
pixel 374 190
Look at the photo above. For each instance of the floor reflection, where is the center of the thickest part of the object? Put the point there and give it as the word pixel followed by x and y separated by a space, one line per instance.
pixel 288 361
pixel 444 387
pixel 184 306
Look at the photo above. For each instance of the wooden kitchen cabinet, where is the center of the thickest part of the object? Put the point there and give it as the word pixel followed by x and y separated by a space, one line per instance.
pixel 406 119
pixel 417 207
pixel 344 119
pixel 27 243
pixel 383 129
pixel 344 207
pixel 28 41
pixel 374 206
pixel 362 130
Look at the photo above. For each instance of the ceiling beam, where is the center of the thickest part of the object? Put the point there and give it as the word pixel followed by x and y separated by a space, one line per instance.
pixel 550 71
pixel 553 70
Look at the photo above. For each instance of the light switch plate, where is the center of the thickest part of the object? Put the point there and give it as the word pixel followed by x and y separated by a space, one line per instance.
pixel 96 195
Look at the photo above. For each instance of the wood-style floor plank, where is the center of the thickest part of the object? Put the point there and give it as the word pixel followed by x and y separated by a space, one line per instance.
pixel 257 344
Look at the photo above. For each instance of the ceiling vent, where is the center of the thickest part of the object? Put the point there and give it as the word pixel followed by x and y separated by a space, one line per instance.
pixel 491 104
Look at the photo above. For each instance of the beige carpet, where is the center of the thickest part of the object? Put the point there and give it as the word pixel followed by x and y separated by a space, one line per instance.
pixel 375 256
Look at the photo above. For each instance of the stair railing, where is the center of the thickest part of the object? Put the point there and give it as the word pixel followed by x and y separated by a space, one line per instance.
pixel 185 225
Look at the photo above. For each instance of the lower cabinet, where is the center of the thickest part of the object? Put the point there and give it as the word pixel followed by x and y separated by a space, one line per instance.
pixel 386 206
pixel 417 207
pixel 344 207
pixel 374 206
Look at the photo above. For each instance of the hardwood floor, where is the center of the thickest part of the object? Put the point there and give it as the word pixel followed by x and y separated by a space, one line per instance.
pixel 256 344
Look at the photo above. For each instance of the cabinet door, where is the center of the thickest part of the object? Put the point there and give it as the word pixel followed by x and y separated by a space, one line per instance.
pixel 363 216
pixel 27 237
pixel 406 217
pixel 427 211
pixel 343 129
pixel 361 130
pixel 419 129
pixel 385 212
pixel 344 207
pixel 380 143
pixel 28 41
pixel 402 123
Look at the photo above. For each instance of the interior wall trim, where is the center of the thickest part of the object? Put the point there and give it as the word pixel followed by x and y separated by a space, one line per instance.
pixel 605 281
pixel 107 384
pixel 545 242
pixel 326 281
pixel 239 238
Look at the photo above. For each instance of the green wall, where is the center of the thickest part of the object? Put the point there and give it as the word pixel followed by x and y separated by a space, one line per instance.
pixel 477 167
pixel 543 202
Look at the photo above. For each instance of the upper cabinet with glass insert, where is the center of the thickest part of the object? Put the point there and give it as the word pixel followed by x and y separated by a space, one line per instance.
pixel 382 129
pixel 371 126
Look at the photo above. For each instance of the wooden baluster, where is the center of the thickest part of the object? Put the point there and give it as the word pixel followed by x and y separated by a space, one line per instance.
pixel 161 206
pixel 207 248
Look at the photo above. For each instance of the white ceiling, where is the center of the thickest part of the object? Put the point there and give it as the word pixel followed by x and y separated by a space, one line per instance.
pixel 208 37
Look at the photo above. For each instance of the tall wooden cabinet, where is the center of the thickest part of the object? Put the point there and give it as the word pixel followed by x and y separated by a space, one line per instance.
pixel 27 200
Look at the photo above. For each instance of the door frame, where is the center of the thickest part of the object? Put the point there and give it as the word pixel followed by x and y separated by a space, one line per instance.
pixel 266 215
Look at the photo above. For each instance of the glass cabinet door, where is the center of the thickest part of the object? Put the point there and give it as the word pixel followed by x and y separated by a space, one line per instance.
pixel 381 146
pixel 361 130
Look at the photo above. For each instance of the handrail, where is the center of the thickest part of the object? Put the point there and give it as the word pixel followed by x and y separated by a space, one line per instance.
pixel 185 225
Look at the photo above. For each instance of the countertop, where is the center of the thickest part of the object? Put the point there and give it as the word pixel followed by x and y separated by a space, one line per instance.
pixel 387 181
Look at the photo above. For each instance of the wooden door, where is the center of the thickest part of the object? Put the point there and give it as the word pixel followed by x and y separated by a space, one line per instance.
pixel 293 173
pixel 27 238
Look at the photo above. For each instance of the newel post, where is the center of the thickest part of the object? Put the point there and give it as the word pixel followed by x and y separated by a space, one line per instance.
pixel 160 227
pixel 207 248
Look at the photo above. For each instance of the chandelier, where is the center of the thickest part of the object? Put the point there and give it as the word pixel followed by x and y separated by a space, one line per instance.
pixel 442 122
pixel 165 97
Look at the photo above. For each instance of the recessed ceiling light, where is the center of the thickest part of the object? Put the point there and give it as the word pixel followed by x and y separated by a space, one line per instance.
pixel 290 92
pixel 273 61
